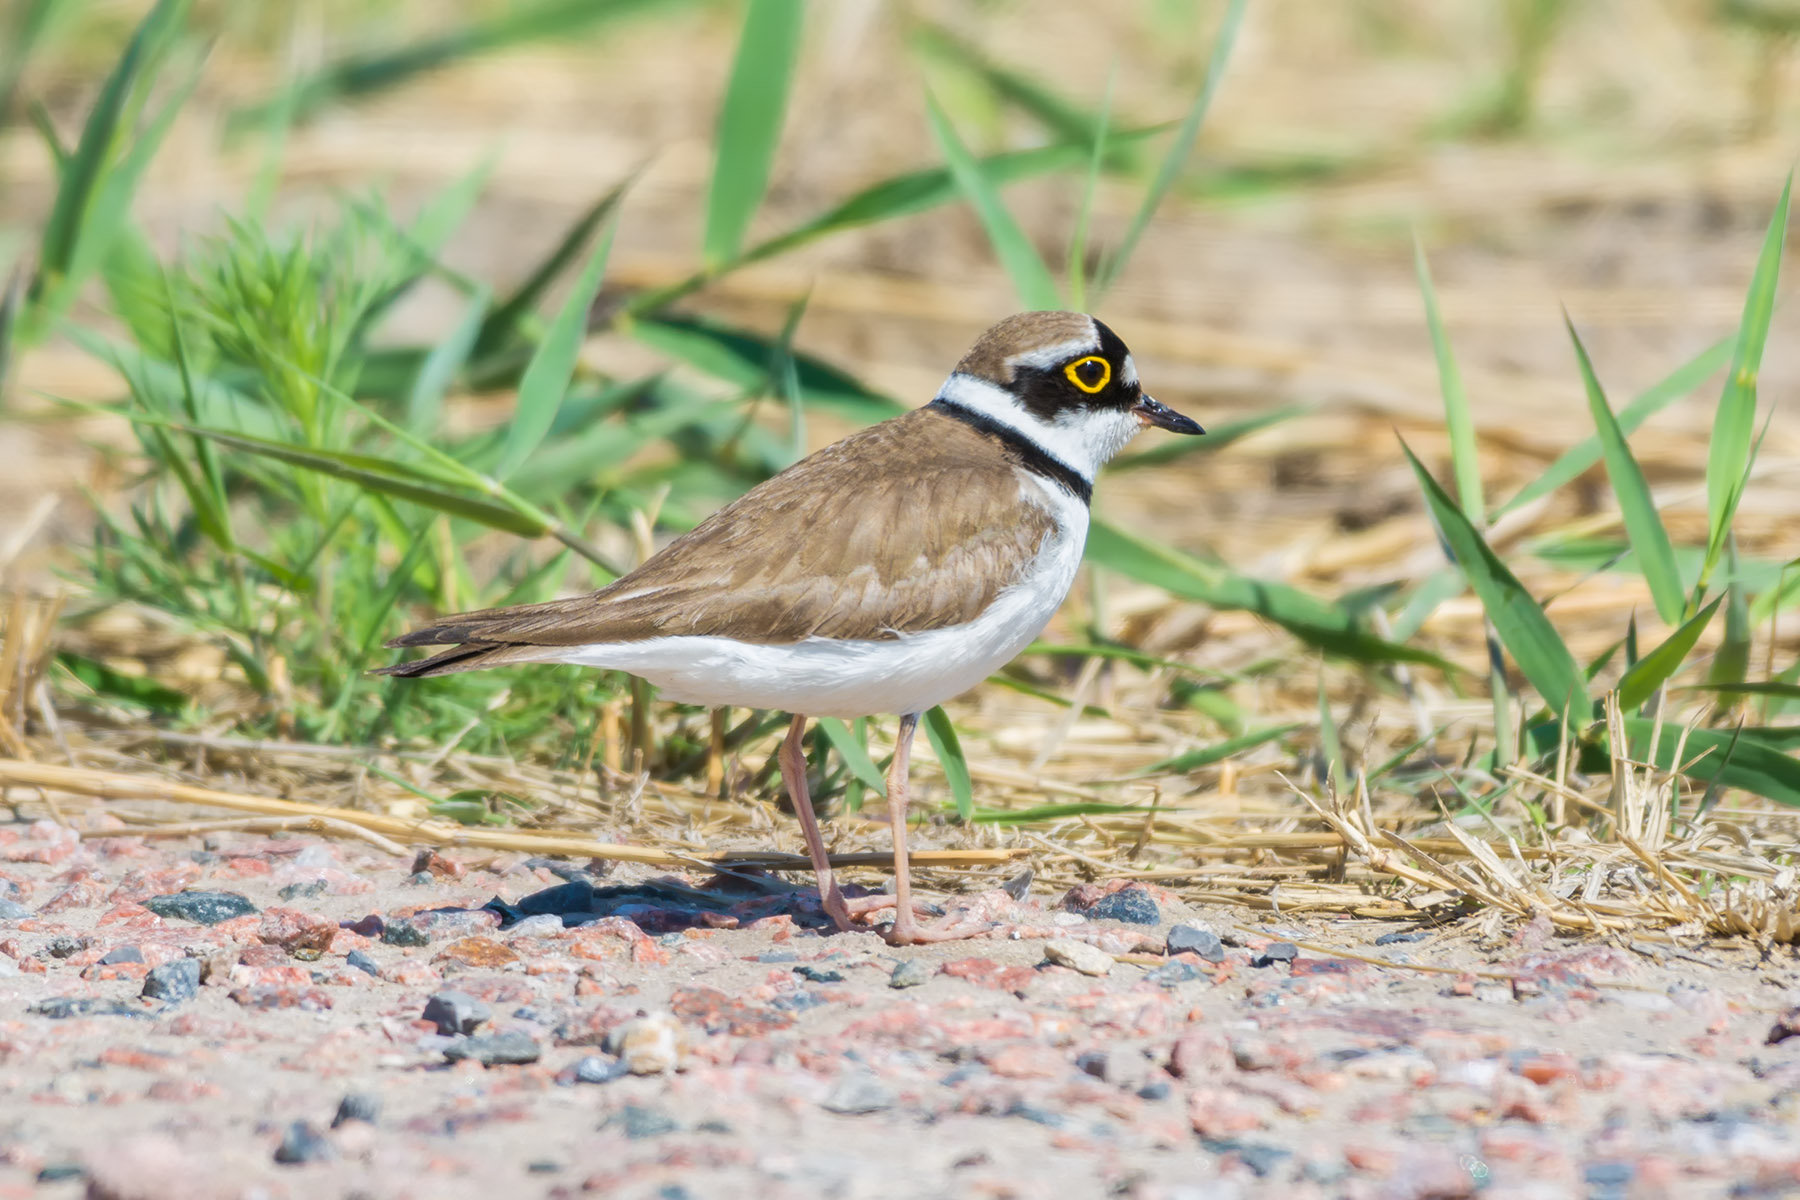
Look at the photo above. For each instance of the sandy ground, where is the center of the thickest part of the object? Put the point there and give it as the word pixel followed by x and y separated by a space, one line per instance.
pixel 1524 1065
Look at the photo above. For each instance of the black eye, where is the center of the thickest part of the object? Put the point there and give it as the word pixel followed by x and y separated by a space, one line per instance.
pixel 1090 374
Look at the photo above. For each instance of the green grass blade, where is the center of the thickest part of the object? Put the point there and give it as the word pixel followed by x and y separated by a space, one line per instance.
pixel 425 399
pixel 1329 627
pixel 503 322
pixel 742 358
pixel 1734 421
pixel 1729 758
pixel 1526 632
pixel 1465 459
pixel 1652 400
pixel 1654 669
pixel 854 753
pixel 547 379
pixel 750 119
pixel 1643 525
pixel 1763 687
pixel 1206 756
pixel 948 748
pixel 1330 748
pixel 1031 279
pixel 365 74
pixel 1178 153
pixel 1061 117
pixel 1731 664
pixel 403 481
pixel 76 216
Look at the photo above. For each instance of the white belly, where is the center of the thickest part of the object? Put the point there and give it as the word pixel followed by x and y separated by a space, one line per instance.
pixel 827 677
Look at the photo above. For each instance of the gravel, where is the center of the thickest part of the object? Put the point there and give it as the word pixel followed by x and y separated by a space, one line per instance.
pixel 456 1013
pixel 173 982
pixel 202 908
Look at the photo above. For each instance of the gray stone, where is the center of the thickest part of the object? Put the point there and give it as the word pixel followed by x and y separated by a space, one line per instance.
pixel 363 962
pixel 303 1144
pixel 910 974
pixel 596 1068
pixel 173 982
pixel 122 954
pixel 1129 904
pixel 404 933
pixel 857 1092
pixel 638 1121
pixel 1276 952
pixel 1193 939
pixel 1172 973
pixel 456 1012
pixel 495 1049
pixel 202 908
pixel 12 910
pixel 357 1106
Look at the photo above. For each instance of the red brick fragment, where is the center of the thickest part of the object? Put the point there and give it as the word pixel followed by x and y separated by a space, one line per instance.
pixel 477 952
pixel 985 972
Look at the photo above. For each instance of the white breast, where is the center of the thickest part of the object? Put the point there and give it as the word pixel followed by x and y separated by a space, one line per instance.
pixel 828 677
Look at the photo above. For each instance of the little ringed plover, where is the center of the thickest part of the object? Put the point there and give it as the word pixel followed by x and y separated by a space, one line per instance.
pixel 887 573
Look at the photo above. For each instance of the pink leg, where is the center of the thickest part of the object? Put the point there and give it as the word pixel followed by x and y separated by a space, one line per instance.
pixel 793 773
pixel 906 929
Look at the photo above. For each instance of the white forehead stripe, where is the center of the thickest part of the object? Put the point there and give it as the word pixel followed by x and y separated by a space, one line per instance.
pixel 1128 373
pixel 1045 357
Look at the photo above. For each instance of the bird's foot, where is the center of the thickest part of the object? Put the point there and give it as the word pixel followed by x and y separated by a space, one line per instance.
pixel 851 913
pixel 906 931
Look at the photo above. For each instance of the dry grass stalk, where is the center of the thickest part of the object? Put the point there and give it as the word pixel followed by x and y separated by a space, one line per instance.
pixel 109 785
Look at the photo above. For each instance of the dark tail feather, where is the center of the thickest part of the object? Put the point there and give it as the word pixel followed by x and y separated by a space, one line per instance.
pixel 472 657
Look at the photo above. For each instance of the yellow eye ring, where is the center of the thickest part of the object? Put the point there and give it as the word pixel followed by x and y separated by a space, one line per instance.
pixel 1081 373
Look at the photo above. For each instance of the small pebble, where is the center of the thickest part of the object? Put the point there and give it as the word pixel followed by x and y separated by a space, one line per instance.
pixel 1131 904
pixel 1078 956
pixel 511 1048
pixel 12 910
pixel 202 908
pixel 597 1068
pixel 1093 1062
pixel 649 1045
pixel 1391 939
pixel 1172 973
pixel 456 1012
pixel 543 1166
pixel 58 1172
pixel 778 956
pixel 1193 939
pixel 1275 952
pixel 404 933
pixel 638 1121
pixel 303 1144
pixel 61 1008
pixel 910 974
pixel 62 946
pixel 1260 1157
pixel 857 1092
pixel 357 1106
pixel 307 890
pixel 363 962
pixel 1156 1089
pixel 173 981
pixel 819 974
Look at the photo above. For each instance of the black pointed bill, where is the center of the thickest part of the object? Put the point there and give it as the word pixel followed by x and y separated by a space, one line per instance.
pixel 1153 412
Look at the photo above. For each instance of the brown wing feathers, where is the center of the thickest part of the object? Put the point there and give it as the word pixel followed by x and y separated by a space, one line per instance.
pixel 828 548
